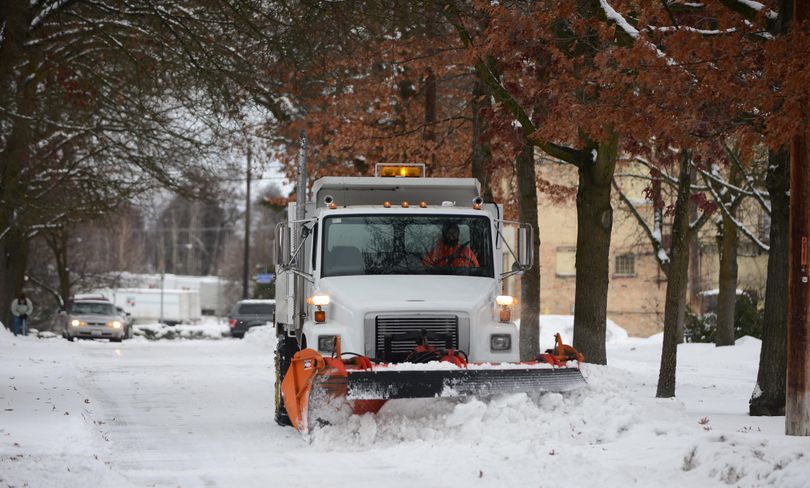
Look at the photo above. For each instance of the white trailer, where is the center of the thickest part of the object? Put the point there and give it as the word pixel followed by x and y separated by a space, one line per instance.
pixel 148 305
pixel 216 294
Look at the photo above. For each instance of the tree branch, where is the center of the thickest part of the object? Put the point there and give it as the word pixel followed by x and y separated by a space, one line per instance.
pixel 735 203
pixel 658 247
pixel 572 156
pixel 757 195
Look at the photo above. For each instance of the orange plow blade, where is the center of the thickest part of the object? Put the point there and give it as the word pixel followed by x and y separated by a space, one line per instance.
pixel 314 382
pixel 319 390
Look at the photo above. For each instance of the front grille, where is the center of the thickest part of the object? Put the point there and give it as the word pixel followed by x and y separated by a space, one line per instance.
pixel 395 337
pixel 97 324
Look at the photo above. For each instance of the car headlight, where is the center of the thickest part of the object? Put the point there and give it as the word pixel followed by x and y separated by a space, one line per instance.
pixel 326 343
pixel 76 323
pixel 500 342
pixel 115 324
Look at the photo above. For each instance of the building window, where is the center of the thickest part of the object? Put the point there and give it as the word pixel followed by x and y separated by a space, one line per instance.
pixel 625 265
pixel 566 261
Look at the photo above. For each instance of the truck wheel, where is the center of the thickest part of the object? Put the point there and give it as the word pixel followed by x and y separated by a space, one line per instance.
pixel 286 347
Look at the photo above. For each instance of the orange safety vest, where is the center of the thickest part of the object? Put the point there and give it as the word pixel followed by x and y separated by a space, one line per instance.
pixel 455 256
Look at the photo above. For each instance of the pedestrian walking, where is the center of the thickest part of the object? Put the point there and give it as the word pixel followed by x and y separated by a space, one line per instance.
pixel 21 309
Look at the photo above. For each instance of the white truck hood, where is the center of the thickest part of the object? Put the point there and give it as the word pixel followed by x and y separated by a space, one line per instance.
pixel 355 295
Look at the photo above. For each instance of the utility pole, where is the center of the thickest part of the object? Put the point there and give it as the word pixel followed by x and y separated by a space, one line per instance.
pixel 246 263
pixel 797 406
pixel 162 271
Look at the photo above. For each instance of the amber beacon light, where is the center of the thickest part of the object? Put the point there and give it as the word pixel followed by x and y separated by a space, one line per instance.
pixel 408 170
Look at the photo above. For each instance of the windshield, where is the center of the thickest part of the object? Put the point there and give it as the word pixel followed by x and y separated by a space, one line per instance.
pixel 407 244
pixel 86 308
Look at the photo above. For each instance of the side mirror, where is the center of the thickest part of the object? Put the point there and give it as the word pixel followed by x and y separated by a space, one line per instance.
pixel 281 248
pixel 525 247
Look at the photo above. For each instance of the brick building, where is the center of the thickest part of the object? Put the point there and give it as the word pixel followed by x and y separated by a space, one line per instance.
pixel 637 287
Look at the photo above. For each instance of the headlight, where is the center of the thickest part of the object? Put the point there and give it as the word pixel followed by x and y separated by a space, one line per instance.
pixel 326 343
pixel 500 342
pixel 505 300
pixel 115 324
pixel 75 322
pixel 318 300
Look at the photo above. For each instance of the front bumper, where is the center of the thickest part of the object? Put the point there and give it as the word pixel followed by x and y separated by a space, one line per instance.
pixel 92 332
pixel 240 328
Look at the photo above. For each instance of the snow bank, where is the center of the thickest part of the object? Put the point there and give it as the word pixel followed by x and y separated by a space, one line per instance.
pixel 162 331
pixel 564 324
pixel 264 335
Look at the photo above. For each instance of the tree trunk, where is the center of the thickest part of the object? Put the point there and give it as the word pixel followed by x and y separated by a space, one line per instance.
pixel 594 226
pixel 481 148
pixel 695 285
pixel 769 393
pixel 58 242
pixel 677 278
pixel 13 263
pixel 15 156
pixel 727 298
pixel 530 281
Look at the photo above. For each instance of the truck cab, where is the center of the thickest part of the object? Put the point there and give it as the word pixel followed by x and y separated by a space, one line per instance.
pixel 386 263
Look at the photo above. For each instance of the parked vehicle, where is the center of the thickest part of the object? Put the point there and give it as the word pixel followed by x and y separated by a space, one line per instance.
pixel 92 318
pixel 250 313
pixel 149 305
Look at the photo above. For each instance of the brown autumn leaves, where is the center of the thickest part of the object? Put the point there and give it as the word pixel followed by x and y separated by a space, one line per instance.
pixel 664 76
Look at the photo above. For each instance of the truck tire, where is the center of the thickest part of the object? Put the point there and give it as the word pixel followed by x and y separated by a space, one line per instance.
pixel 286 347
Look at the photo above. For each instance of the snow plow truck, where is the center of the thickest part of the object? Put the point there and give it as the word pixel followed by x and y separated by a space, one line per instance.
pixel 390 287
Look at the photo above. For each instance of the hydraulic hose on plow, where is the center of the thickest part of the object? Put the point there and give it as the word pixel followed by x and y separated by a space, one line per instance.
pixel 332 382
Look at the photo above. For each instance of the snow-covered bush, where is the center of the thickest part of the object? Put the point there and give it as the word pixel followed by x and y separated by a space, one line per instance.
pixel 154 332
pixel 747 322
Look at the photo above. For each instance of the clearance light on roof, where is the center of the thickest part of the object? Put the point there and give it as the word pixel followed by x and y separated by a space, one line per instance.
pixel 387 204
pixel 410 170
pixel 422 204
pixel 405 205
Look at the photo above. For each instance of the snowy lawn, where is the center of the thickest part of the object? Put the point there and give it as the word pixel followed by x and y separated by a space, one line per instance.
pixel 199 413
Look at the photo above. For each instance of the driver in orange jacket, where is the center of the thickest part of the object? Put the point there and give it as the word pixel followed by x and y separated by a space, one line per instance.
pixel 448 251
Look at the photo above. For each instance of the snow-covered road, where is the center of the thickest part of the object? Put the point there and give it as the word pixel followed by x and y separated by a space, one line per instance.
pixel 199 413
